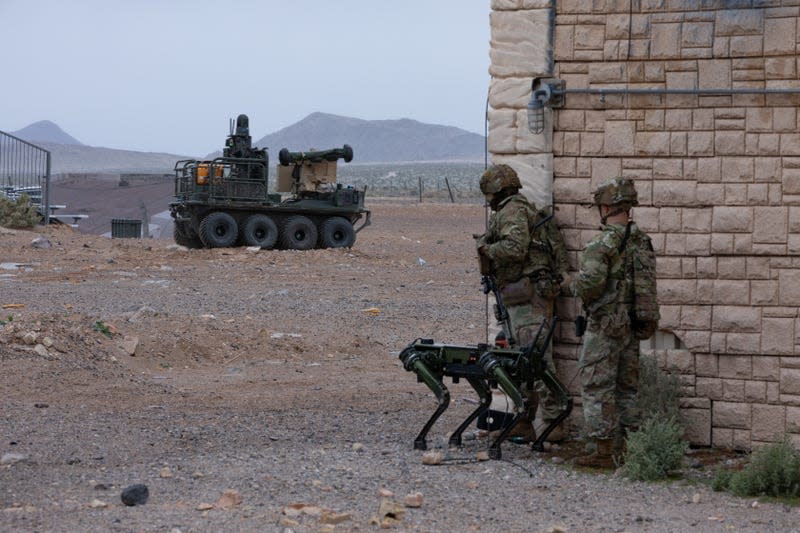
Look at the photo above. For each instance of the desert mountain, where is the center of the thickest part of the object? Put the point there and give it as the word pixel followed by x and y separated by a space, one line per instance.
pixel 94 159
pixel 377 140
pixel 45 131
pixel 372 141
pixel 70 155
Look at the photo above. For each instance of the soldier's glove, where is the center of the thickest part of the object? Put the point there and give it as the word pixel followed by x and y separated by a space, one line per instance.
pixel 485 262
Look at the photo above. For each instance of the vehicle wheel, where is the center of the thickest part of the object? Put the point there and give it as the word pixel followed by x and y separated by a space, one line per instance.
pixel 299 233
pixel 260 230
pixel 218 230
pixel 185 237
pixel 337 232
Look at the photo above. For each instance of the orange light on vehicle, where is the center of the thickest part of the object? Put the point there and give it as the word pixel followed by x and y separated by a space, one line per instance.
pixel 202 174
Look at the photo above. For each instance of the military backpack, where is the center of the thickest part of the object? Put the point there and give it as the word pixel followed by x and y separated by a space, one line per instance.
pixel 547 238
pixel 640 266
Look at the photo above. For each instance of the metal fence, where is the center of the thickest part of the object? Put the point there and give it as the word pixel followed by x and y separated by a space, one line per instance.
pixel 25 169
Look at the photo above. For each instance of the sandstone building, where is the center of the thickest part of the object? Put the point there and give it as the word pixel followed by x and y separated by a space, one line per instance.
pixel 717 166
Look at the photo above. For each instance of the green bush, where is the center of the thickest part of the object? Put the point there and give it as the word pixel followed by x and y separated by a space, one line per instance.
pixel 18 213
pixel 658 446
pixel 722 479
pixel 102 327
pixel 655 449
pixel 774 470
pixel 659 392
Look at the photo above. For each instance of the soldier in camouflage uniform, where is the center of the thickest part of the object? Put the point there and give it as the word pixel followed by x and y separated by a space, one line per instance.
pixel 521 263
pixel 609 360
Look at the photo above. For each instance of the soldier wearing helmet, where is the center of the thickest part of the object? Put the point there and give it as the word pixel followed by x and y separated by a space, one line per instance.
pixel 499 182
pixel 618 194
pixel 517 254
pixel 608 364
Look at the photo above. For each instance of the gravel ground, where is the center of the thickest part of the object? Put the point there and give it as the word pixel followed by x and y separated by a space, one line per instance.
pixel 274 376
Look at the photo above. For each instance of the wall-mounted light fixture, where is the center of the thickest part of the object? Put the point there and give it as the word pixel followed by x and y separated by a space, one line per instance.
pixel 545 92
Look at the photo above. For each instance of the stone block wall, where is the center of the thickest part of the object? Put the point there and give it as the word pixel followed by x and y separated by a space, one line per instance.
pixel 718 180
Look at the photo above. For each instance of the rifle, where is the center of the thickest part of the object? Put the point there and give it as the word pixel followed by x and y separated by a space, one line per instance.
pixel 489 284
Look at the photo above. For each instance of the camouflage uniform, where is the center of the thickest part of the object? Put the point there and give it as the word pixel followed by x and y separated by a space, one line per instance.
pixel 609 360
pixel 519 261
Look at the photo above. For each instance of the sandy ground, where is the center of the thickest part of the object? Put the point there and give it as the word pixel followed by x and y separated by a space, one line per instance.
pixel 273 375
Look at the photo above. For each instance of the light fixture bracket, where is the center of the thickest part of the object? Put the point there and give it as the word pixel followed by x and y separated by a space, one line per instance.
pixel 545 92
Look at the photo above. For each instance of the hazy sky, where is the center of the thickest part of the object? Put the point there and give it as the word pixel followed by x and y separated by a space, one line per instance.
pixel 166 75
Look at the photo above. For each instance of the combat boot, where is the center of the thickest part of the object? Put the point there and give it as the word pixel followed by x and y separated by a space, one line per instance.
pixel 602 457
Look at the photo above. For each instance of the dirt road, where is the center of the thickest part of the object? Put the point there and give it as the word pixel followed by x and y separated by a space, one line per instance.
pixel 274 374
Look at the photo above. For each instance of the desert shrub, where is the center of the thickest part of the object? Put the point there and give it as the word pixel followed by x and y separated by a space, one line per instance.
pixel 722 479
pixel 18 213
pixel 659 392
pixel 774 470
pixel 658 446
pixel 655 449
pixel 102 327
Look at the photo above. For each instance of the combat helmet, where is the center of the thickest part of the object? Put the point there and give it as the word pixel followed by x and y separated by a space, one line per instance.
pixel 499 177
pixel 616 191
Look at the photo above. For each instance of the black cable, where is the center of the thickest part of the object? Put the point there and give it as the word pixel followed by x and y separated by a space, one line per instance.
pixel 630 25
pixel 485 205
pixel 467 461
pixel 512 463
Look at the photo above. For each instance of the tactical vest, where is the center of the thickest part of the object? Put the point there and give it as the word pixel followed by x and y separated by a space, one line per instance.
pixel 505 271
pixel 546 256
pixel 616 292
pixel 629 298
